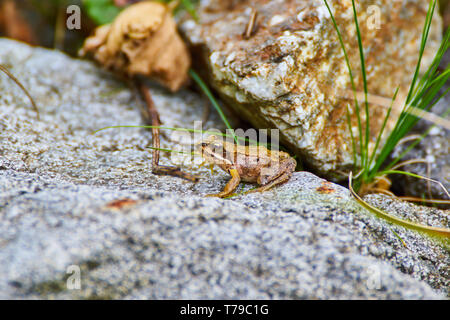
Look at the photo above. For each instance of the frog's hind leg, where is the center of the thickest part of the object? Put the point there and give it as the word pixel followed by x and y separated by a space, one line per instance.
pixel 156 122
pixel 281 179
pixel 231 185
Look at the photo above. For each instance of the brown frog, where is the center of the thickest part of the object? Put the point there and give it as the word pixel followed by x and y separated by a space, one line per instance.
pixel 255 164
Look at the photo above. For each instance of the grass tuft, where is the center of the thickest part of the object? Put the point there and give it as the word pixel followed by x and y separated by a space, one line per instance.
pixel 423 94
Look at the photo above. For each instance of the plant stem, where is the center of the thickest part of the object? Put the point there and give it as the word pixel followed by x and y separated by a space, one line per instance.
pixel 211 98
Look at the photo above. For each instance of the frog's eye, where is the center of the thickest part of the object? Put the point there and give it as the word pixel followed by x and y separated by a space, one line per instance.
pixel 204 144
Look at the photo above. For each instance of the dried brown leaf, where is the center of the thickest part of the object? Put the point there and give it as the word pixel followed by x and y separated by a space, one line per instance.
pixel 142 40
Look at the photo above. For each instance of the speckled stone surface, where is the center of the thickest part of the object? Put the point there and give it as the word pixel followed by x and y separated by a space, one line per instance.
pixel 291 73
pixel 71 198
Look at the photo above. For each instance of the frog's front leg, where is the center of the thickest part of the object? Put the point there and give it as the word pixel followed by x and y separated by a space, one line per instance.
pixel 231 185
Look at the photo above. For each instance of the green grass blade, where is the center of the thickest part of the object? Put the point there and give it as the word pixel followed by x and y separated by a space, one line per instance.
pixel 406 173
pixel 426 29
pixel 438 79
pixel 352 80
pixel 412 145
pixel 416 92
pixel 364 161
pixel 437 59
pixel 349 122
pixel 267 145
pixel 380 134
pixel 173 151
pixel 426 104
pixel 420 97
pixel 211 98
pixel 189 6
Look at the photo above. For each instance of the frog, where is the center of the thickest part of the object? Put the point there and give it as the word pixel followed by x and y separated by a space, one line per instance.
pixel 253 164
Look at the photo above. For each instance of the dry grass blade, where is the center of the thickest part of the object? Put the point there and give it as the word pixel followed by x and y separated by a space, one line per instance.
pixel 383 191
pixel 412 161
pixel 398 107
pixel 409 138
pixel 433 231
pixel 10 75
pixel 435 201
pixel 251 24
pixel 418 177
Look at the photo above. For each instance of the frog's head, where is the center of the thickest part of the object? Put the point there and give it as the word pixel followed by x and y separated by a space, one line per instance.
pixel 216 151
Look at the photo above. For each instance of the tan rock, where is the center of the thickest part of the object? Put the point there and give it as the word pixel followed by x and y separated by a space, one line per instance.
pixel 291 74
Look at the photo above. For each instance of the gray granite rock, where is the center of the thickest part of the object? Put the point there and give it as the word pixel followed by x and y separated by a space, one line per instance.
pixel 69 198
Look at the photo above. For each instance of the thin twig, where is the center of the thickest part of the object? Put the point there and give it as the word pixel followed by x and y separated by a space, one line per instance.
pixel 250 28
pixel 156 122
pixel 9 74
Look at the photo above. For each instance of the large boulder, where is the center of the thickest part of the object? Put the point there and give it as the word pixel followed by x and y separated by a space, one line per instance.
pixel 291 74
pixel 75 201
